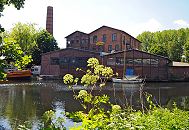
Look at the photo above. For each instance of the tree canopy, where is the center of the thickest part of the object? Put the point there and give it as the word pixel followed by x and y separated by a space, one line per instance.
pixel 17 4
pixel 45 43
pixel 169 43
pixel 23 45
pixel 25 36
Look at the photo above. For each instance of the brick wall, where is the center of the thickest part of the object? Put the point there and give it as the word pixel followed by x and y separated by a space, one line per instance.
pixel 121 39
pixel 49 20
pixel 179 73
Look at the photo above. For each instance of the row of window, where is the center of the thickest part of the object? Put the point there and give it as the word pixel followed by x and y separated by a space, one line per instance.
pixel 83 41
pixel 120 61
pixel 104 38
pixel 71 61
pixel 110 48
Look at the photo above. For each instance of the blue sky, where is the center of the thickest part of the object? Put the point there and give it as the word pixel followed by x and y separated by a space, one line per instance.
pixel 132 16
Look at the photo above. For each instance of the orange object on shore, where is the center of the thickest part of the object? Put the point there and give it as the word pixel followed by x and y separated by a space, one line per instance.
pixel 19 74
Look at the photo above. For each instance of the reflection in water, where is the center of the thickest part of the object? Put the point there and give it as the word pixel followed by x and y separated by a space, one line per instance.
pixel 28 101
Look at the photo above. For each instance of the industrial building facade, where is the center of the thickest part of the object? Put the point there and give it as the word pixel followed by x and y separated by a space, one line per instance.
pixel 116 45
pixel 114 40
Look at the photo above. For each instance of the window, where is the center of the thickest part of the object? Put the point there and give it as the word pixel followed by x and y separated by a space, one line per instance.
pixel 110 61
pixel 124 40
pixel 77 41
pixel 80 61
pixel 137 61
pixel 74 61
pixel 54 61
pixel 64 60
pixel 91 39
pixel 100 48
pixel 129 61
pixel 94 38
pixel 104 37
pixel 117 47
pixel 114 37
pixel 72 41
pixel 83 41
pixel 119 61
pixel 94 48
pixel 146 61
pixel 68 43
pixel 128 46
pixel 110 48
pixel 154 62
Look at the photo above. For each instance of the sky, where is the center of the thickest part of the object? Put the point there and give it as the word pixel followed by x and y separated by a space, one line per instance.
pixel 131 16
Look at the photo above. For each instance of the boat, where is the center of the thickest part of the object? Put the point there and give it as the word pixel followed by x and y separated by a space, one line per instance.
pixel 127 81
pixel 21 74
pixel 128 75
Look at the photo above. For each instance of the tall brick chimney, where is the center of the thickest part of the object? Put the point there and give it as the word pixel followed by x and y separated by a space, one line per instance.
pixel 49 20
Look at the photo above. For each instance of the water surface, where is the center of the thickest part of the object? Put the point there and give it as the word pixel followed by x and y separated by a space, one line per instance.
pixel 27 101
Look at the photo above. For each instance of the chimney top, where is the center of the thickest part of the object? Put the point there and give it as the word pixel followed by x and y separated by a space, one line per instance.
pixel 49 20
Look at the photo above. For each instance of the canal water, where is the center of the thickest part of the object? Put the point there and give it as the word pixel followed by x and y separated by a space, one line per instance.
pixel 27 101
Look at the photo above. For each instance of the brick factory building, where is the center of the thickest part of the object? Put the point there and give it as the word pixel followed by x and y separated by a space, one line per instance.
pixel 116 43
pixel 113 39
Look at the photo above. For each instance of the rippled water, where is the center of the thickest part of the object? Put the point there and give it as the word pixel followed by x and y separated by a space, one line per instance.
pixel 27 101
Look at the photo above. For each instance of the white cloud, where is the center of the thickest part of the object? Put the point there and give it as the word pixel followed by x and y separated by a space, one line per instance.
pixel 151 25
pixel 181 23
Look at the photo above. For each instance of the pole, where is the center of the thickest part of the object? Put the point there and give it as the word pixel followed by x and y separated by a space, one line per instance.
pixel 124 60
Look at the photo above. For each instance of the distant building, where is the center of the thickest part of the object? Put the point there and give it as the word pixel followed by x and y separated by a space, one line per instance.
pixel 78 40
pixel 114 40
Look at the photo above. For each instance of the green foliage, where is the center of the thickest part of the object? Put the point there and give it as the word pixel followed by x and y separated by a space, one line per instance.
pixel 45 43
pixel 51 122
pixel 16 3
pixel 2 73
pixel 24 35
pixel 186 50
pixel 168 43
pixel 14 54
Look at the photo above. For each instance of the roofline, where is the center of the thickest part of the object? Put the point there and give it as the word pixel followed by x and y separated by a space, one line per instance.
pixel 140 51
pixel 114 29
pixel 71 49
pixel 75 32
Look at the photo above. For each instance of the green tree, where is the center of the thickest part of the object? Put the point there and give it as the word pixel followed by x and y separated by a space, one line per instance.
pixel 45 43
pixel 13 54
pixel 186 50
pixel 158 49
pixel 24 35
pixel 170 41
pixel 17 4
pixel 147 40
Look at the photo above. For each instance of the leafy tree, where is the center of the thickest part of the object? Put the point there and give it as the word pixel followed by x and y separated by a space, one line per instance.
pixel 13 54
pixel 158 49
pixel 170 41
pixel 45 43
pixel 24 35
pixel 17 4
pixel 147 40
pixel 186 50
